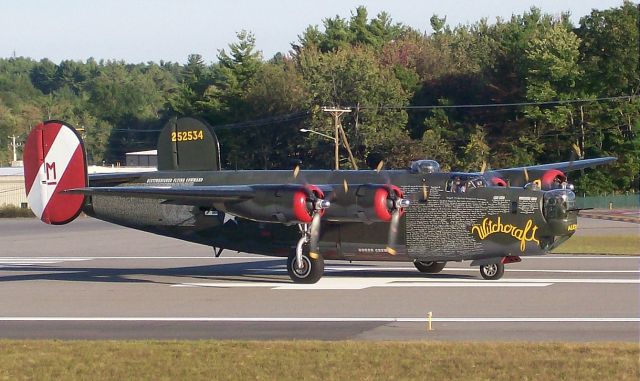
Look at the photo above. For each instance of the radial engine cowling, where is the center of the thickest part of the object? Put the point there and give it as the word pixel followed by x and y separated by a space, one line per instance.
pixel 552 179
pixel 366 203
pixel 285 204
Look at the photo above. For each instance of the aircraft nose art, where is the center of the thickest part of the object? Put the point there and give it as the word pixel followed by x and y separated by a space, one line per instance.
pixel 54 160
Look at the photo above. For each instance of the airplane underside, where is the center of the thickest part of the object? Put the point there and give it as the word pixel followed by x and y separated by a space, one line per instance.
pixel 339 241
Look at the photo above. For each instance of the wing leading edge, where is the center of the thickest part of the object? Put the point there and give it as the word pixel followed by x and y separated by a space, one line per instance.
pixel 520 175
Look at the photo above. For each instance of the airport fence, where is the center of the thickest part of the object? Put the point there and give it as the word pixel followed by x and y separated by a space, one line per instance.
pixel 12 191
pixel 613 201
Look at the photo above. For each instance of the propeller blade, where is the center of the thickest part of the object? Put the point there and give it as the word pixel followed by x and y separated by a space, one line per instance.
pixel 484 167
pixel 576 149
pixel 575 152
pixel 296 170
pixel 314 236
pixel 345 185
pixel 424 192
pixel 526 175
pixel 380 165
pixel 393 232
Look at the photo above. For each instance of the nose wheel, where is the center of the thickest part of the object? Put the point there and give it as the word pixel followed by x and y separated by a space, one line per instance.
pixel 492 271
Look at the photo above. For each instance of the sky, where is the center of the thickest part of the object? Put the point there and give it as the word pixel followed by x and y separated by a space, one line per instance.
pixel 169 30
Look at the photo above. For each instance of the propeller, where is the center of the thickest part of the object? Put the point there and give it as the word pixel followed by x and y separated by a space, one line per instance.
pixel 318 205
pixel 397 205
pixel 490 177
pixel 314 236
pixel 392 239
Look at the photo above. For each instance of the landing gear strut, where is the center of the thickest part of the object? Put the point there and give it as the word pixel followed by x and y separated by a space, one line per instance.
pixel 302 266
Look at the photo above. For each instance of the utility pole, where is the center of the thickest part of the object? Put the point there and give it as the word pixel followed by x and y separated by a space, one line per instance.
pixel 337 112
pixel 14 148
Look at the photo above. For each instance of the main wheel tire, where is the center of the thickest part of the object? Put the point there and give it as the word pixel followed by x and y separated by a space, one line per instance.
pixel 429 267
pixel 493 271
pixel 311 271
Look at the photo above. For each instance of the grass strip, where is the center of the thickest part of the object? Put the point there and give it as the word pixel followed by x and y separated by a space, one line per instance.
pixel 623 244
pixel 315 360
pixel 10 211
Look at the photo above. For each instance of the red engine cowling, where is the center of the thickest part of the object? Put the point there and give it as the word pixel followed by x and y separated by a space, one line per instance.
pixel 303 203
pixel 498 182
pixel 284 204
pixel 552 179
pixel 365 203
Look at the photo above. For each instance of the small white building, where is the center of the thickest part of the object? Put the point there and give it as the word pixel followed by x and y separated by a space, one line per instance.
pixel 142 158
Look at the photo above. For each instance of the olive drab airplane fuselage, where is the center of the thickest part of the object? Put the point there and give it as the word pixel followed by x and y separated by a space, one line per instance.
pixel 418 214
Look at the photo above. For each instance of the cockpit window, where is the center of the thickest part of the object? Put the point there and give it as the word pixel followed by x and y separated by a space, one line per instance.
pixel 456 185
pixel 425 166
pixel 477 182
pixel 462 184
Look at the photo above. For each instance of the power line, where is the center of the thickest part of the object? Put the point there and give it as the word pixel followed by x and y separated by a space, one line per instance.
pixel 516 104
pixel 286 118
pixel 278 119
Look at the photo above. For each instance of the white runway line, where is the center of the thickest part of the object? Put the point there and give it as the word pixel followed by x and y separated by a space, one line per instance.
pixel 131 258
pixel 329 283
pixel 355 285
pixel 371 268
pixel 26 262
pixel 328 319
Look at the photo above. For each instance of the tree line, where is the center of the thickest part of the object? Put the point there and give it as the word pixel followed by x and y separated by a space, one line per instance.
pixel 531 89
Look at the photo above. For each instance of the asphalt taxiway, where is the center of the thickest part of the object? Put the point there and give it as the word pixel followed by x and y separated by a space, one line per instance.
pixel 91 279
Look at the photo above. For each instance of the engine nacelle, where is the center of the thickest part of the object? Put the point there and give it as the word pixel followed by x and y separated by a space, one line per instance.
pixel 497 182
pixel 366 203
pixel 552 179
pixel 284 204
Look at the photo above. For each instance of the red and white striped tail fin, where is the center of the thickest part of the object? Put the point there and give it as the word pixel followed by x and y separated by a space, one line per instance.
pixel 54 160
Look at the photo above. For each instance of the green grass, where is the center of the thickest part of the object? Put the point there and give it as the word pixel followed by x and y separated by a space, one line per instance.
pixel 10 211
pixel 315 360
pixel 623 244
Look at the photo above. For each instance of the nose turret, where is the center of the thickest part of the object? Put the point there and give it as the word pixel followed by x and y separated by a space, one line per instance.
pixel 560 211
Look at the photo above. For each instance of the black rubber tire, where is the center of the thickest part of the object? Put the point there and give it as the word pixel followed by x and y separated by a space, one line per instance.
pixel 310 273
pixel 492 271
pixel 429 267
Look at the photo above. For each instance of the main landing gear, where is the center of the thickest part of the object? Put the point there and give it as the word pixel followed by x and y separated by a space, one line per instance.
pixel 429 267
pixel 302 266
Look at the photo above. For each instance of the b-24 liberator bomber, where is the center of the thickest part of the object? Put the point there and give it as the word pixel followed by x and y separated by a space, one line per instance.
pixel 419 214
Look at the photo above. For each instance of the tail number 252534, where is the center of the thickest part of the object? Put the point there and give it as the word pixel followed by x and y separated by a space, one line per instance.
pixel 185 136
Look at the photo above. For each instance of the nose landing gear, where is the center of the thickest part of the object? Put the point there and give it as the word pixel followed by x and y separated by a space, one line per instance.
pixel 492 271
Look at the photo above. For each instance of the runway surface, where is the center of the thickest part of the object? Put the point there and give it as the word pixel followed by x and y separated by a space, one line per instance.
pixel 91 279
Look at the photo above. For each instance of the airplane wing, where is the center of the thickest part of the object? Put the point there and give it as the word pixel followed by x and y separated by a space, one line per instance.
pixel 112 179
pixel 566 166
pixel 189 195
pixel 519 176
